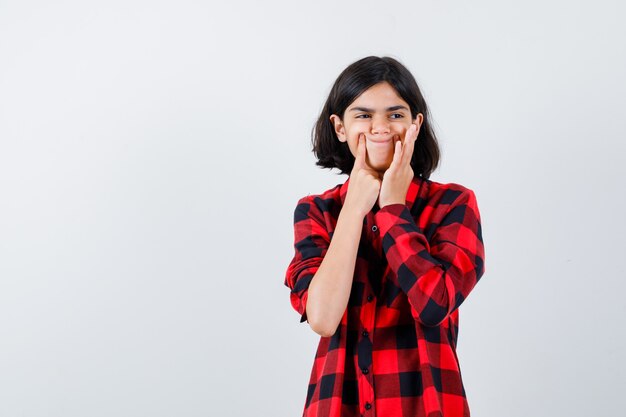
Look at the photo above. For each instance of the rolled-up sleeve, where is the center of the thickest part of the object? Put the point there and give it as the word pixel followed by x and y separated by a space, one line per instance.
pixel 311 241
pixel 436 275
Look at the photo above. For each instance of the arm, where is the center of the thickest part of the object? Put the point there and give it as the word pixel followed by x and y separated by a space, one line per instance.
pixel 436 276
pixel 321 271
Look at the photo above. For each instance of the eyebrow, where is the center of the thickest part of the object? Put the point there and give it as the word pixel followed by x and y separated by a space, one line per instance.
pixel 392 108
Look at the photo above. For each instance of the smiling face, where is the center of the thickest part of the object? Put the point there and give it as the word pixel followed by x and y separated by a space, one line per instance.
pixel 379 113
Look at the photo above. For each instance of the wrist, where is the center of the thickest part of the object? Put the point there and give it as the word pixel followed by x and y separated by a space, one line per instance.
pixel 388 203
pixel 351 211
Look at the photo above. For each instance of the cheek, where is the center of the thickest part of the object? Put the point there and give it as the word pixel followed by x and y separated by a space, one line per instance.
pixel 357 125
pixel 354 132
pixel 402 130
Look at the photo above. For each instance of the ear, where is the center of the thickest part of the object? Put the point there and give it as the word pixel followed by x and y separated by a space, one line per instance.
pixel 339 128
pixel 419 119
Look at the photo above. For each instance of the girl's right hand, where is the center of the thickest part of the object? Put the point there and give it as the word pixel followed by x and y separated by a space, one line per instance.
pixel 364 183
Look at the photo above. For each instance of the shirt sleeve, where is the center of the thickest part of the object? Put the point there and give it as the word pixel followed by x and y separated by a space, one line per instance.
pixel 311 241
pixel 436 275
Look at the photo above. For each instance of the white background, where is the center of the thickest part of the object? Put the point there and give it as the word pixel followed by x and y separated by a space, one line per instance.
pixel 152 154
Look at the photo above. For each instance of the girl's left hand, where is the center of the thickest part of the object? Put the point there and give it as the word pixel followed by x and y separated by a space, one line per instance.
pixel 397 178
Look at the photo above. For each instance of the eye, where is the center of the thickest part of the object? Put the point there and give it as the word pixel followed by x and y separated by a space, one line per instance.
pixel 400 115
pixel 362 116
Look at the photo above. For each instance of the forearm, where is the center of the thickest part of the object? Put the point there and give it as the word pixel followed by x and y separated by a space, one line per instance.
pixel 329 289
pixel 436 275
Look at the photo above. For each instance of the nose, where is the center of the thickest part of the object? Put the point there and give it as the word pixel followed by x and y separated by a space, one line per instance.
pixel 380 126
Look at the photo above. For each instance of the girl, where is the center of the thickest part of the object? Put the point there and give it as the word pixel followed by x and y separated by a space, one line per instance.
pixel 383 261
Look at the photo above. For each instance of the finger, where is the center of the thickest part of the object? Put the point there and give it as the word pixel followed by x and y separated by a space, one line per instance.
pixel 409 141
pixel 360 153
pixel 397 153
pixel 364 163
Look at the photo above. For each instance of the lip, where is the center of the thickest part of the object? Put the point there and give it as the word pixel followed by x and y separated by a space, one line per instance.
pixel 380 140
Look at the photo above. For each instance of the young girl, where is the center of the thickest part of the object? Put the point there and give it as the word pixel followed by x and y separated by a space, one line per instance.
pixel 383 261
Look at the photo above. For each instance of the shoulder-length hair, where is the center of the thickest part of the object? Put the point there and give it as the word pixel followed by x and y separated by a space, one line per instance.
pixel 351 83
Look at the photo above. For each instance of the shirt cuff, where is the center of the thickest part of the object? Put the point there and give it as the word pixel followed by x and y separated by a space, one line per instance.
pixel 390 215
pixel 399 215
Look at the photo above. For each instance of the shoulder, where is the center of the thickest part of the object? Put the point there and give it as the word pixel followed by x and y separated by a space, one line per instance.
pixel 317 204
pixel 449 205
pixel 443 196
pixel 324 200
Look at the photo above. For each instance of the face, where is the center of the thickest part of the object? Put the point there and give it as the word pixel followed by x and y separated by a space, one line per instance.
pixel 379 113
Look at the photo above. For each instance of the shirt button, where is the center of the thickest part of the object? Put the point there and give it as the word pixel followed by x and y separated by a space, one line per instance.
pixel 365 333
pixel 368 406
pixel 374 228
pixel 370 297
pixel 365 371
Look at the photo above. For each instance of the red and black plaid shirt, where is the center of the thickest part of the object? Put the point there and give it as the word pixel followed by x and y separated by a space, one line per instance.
pixel 394 351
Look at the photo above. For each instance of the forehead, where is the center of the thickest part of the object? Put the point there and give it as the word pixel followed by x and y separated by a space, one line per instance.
pixel 379 95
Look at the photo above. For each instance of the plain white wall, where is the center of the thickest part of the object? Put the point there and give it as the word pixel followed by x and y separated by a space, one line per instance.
pixel 152 153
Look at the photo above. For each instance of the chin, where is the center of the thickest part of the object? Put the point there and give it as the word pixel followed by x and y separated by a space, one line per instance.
pixel 381 166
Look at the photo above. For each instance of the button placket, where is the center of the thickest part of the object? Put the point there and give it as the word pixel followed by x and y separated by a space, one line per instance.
pixel 370 325
pixel 370 229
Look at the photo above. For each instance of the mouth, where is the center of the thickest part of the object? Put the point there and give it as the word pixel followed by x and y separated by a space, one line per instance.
pixel 381 141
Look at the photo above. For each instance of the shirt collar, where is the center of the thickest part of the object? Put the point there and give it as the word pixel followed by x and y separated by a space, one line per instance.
pixel 411 194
